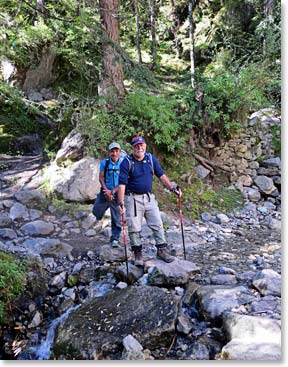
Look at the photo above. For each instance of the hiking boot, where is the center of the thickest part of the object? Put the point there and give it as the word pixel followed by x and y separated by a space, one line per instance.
pixel 115 243
pixel 163 254
pixel 138 256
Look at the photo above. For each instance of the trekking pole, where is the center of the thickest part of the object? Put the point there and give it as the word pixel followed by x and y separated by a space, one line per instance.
pixel 125 242
pixel 181 222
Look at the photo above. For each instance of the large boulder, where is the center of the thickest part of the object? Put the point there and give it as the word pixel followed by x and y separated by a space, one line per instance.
pixel 76 182
pixel 71 148
pixel 96 329
pixel 251 338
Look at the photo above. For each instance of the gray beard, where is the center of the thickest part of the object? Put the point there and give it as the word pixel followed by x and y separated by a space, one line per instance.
pixel 139 154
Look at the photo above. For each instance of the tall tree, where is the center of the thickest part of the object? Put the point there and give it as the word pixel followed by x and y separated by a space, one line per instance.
pixel 138 43
pixel 153 33
pixel 191 36
pixel 111 84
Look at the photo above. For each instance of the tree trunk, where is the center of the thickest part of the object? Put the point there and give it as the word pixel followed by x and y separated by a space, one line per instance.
pixel 153 34
pixel 268 7
pixel 138 44
pixel 40 5
pixel 111 84
pixel 191 36
pixel 268 12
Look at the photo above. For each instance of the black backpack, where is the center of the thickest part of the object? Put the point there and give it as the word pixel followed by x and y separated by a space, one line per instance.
pixel 148 157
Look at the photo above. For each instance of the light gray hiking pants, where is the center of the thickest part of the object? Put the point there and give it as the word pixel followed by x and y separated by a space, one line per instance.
pixel 139 207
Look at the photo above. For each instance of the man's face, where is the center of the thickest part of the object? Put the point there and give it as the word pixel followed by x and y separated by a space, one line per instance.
pixel 114 154
pixel 139 150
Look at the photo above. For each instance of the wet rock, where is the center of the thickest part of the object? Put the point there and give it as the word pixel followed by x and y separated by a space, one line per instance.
pixel 97 328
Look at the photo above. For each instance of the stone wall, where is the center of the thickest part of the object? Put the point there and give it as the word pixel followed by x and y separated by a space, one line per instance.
pixel 250 158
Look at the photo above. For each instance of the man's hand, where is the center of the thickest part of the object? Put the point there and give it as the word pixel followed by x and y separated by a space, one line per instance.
pixel 122 208
pixel 176 190
pixel 108 194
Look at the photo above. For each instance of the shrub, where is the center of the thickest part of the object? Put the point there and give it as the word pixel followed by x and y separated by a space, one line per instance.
pixel 154 116
pixel 12 282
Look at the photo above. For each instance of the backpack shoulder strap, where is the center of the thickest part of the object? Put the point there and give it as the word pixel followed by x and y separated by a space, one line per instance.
pixel 106 167
pixel 130 161
pixel 150 158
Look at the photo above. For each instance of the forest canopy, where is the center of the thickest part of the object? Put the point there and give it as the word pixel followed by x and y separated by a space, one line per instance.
pixel 160 68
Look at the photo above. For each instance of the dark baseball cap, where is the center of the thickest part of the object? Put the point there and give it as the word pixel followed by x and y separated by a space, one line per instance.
pixel 137 140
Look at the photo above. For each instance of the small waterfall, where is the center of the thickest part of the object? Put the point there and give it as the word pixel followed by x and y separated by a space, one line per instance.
pixel 42 352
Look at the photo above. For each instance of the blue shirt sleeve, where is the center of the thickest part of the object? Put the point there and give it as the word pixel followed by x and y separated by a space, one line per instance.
pixel 102 165
pixel 124 172
pixel 158 170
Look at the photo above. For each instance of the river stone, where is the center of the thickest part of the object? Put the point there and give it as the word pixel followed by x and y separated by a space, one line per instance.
pixel 177 272
pixel 37 228
pixel 31 197
pixel 215 299
pixel 113 254
pixel 5 220
pixel 251 338
pixel 48 246
pixel 268 282
pixel 96 330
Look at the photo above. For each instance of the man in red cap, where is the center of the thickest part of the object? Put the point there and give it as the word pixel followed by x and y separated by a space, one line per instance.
pixel 136 198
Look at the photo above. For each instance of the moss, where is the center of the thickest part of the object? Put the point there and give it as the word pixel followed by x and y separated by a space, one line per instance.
pixel 276 140
pixel 62 207
pixel 197 197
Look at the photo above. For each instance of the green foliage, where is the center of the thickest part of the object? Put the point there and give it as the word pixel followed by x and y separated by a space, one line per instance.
pixel 197 195
pixel 276 140
pixel 64 208
pixel 100 126
pixel 12 282
pixel 16 117
pixel 198 198
pixel 70 31
pixel 154 116
pixel 224 100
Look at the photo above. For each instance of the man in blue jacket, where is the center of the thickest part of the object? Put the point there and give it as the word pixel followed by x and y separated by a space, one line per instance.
pixel 107 197
pixel 135 197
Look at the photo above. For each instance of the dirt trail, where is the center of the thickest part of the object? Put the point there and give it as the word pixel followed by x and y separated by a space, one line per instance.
pixel 17 171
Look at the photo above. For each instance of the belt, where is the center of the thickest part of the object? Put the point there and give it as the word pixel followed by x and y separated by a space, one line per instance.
pixel 148 193
pixel 138 193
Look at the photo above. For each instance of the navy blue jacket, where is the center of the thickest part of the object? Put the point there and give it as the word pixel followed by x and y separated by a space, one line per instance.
pixel 139 178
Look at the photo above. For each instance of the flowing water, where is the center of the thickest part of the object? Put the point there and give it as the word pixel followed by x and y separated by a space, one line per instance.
pixel 42 350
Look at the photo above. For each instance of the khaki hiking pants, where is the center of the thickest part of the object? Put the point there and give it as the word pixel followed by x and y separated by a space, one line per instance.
pixel 139 207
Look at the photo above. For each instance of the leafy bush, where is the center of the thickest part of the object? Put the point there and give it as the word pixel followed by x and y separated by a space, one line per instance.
pixel 100 127
pixel 16 117
pixel 154 116
pixel 225 100
pixel 12 281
